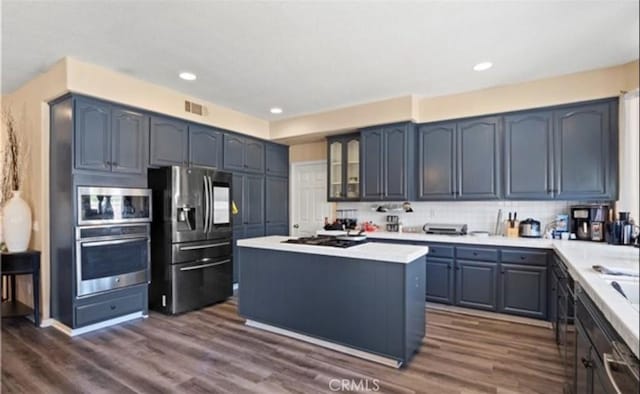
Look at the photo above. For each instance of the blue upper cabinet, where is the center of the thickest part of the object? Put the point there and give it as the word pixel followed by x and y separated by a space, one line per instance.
pixel 387 162
pixel 478 162
pixel 243 154
pixel 437 161
pixel 343 168
pixel 528 153
pixel 585 139
pixel 169 141
pixel 129 131
pixel 109 138
pixel 371 159
pixel 205 147
pixel 92 135
pixel 277 158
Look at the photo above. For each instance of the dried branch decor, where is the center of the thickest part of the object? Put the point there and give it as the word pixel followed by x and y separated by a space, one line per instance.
pixel 14 157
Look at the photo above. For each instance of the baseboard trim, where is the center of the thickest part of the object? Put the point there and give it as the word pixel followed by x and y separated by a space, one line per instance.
pixel 489 315
pixel 72 332
pixel 389 362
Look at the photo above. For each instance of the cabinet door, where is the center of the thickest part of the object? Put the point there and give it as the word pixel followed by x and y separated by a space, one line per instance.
pixel 394 155
pixel 253 202
pixel 528 156
pixel 277 160
pixel 254 155
pixel 436 161
pixel 205 147
pixel 128 141
pixel 476 284
pixel 371 159
pixel 582 151
pixel 440 285
pixel 92 135
pixel 352 167
pixel 237 193
pixel 277 198
pixel 233 152
pixel 583 373
pixel 523 290
pixel 478 160
pixel 335 170
pixel 169 142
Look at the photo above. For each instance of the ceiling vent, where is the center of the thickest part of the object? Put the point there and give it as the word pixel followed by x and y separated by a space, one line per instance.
pixel 194 108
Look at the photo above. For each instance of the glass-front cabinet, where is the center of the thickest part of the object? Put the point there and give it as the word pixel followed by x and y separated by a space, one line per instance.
pixel 344 167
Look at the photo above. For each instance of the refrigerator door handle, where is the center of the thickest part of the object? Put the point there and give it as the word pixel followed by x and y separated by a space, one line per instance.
pixel 206 204
pixel 211 202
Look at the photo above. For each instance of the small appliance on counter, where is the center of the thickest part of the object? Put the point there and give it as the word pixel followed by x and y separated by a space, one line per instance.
pixel 530 228
pixel 445 229
pixel 622 231
pixel 589 222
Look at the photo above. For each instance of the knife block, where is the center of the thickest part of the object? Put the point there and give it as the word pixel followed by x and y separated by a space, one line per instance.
pixel 512 232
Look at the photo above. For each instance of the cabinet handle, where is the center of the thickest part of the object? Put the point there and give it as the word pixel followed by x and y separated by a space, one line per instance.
pixel 523 257
pixel 107 163
pixel 246 223
pixel 113 307
pixel 114 164
pixel 475 253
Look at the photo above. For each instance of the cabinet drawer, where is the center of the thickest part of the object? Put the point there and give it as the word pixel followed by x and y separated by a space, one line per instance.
pixel 440 251
pixel 108 309
pixel 483 254
pixel 524 257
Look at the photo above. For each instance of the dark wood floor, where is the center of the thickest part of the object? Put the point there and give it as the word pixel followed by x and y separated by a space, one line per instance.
pixel 212 351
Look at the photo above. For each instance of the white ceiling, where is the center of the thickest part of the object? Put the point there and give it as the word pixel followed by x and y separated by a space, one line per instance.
pixel 311 56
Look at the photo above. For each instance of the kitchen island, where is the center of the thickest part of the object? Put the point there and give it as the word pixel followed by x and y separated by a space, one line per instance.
pixel 365 300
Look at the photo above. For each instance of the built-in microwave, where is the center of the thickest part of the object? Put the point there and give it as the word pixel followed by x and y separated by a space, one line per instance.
pixel 109 205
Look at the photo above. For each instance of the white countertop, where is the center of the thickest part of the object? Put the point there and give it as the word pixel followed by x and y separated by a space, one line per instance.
pixel 579 257
pixel 369 251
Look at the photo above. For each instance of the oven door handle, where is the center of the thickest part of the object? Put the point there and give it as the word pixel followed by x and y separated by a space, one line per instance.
pixel 197 267
pixel 112 242
pixel 207 246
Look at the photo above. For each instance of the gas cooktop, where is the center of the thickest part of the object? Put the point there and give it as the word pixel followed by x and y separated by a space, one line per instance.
pixel 324 241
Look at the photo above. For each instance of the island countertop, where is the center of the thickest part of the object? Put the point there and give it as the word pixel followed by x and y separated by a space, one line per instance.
pixel 390 253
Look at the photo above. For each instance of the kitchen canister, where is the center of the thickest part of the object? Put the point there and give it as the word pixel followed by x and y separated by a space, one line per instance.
pixel 16 223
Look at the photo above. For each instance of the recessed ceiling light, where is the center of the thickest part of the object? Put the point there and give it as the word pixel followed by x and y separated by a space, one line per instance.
pixel 187 76
pixel 276 110
pixel 482 66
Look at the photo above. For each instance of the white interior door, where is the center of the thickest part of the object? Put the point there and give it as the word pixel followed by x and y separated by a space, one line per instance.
pixel 309 204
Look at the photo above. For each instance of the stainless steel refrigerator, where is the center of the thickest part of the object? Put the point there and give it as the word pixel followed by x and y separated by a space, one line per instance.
pixel 191 262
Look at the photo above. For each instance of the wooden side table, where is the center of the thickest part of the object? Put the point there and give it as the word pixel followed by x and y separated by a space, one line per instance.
pixel 22 263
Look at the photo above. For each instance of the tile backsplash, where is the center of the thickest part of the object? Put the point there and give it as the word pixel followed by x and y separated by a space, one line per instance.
pixel 478 215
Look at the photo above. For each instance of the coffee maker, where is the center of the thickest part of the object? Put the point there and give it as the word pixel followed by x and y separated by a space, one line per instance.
pixel 588 222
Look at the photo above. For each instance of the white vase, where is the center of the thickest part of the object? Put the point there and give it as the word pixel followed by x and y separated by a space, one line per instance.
pixel 16 223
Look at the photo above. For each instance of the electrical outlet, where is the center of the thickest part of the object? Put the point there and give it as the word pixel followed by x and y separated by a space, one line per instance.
pixel 36 226
pixel 432 213
pixel 29 289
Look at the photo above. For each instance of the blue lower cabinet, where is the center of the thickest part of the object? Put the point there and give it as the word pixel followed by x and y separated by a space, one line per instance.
pixel 440 280
pixel 523 290
pixel 476 284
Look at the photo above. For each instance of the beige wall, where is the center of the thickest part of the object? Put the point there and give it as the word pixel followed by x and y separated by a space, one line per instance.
pixel 308 152
pixel 31 112
pixel 344 119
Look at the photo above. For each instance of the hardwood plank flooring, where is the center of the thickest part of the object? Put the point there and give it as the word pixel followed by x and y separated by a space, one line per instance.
pixel 211 351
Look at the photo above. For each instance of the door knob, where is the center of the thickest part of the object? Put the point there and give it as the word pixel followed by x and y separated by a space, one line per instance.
pixel 296 226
